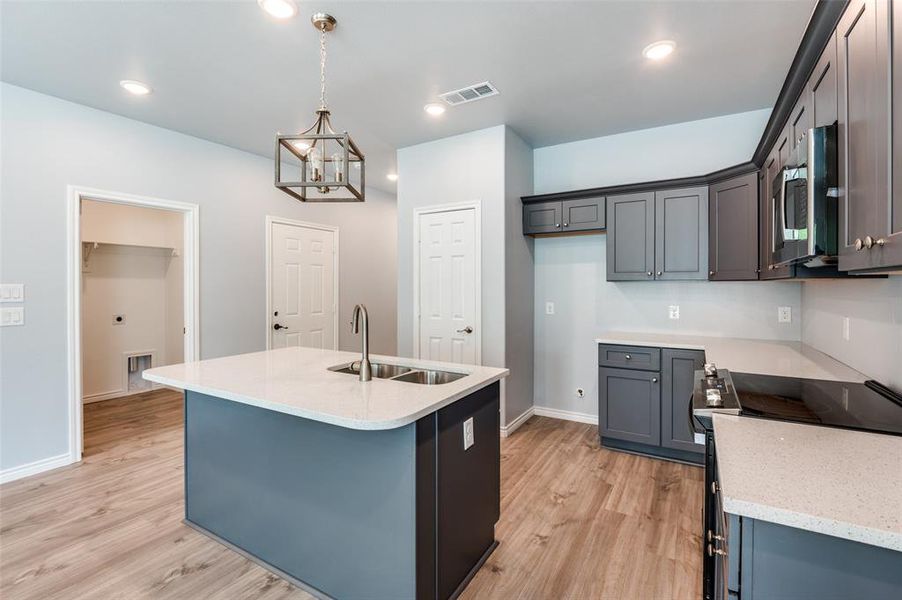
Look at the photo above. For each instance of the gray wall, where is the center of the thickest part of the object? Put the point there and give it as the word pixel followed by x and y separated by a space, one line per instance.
pixel 874 309
pixel 519 280
pixel 493 166
pixel 48 144
pixel 462 168
pixel 571 271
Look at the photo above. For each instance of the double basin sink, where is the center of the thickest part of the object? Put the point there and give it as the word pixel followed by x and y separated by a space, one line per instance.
pixel 402 373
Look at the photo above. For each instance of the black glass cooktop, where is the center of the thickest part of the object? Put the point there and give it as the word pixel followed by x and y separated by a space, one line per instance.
pixel 865 406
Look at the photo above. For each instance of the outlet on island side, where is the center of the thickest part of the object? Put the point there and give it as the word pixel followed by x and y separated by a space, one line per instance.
pixel 468 433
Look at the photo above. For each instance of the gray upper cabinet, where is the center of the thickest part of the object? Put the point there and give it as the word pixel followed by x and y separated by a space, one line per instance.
pixel 630 244
pixel 864 124
pixel 799 121
pixel 542 217
pixel 889 255
pixel 733 229
pixel 821 88
pixel 556 216
pixel 629 405
pixel 677 381
pixel 584 214
pixel 681 234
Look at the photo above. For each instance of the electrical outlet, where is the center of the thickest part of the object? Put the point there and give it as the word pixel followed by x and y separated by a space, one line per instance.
pixel 549 308
pixel 673 311
pixel 118 319
pixel 580 392
pixel 784 314
pixel 12 315
pixel 468 433
pixel 846 328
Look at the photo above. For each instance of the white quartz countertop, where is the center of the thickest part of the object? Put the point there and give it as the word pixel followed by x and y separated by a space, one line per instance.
pixel 297 381
pixel 838 482
pixel 763 357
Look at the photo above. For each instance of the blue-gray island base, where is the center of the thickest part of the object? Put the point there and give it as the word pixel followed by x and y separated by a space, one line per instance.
pixel 347 513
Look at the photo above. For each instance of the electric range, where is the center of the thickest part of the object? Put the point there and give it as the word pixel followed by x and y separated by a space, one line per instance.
pixel 867 406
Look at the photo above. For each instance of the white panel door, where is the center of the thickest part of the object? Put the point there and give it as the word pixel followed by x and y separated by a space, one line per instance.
pixel 447 286
pixel 302 296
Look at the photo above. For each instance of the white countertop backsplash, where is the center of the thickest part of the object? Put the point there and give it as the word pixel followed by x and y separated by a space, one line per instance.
pixel 739 355
pixel 838 482
pixel 297 381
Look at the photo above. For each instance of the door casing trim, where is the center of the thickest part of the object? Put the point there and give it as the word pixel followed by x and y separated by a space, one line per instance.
pixel 273 220
pixel 476 207
pixel 191 281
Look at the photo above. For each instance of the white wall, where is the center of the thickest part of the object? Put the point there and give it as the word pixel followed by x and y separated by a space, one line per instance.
pixel 133 273
pixel 874 308
pixel 681 150
pixel 48 144
pixel 570 271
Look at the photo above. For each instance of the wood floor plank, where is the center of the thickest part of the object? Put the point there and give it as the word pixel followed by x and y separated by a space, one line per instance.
pixel 577 520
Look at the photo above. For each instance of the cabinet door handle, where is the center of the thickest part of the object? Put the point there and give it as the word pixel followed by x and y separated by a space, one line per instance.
pixel 859 245
pixel 654 380
pixel 659 273
pixel 557 224
pixel 649 273
pixel 868 242
pixel 710 272
pixel 628 357
pixel 880 242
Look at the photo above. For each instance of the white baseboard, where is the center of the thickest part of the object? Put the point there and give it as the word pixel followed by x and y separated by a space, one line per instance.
pixel 33 468
pixel 117 394
pixel 566 415
pixel 506 430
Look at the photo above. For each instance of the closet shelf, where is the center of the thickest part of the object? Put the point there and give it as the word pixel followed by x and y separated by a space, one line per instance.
pixel 88 246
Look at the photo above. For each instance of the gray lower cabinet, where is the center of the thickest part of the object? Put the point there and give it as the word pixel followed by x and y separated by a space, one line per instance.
pixel 678 369
pixel 681 234
pixel 629 405
pixel 586 214
pixel 777 561
pixel 630 244
pixel 542 217
pixel 644 396
pixel 733 229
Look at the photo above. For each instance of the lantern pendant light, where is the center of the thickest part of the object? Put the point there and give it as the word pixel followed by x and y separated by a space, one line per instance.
pixel 321 165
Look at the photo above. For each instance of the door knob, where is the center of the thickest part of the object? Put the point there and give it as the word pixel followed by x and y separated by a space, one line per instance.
pixel 278 327
pixel 466 329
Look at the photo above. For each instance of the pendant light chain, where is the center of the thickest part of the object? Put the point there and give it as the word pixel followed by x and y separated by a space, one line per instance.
pixel 322 66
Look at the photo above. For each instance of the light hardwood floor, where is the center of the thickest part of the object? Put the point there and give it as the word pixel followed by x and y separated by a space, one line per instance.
pixel 577 521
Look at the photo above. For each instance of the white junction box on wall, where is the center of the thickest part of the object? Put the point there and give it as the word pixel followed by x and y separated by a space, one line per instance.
pixel 12 292
pixel 12 316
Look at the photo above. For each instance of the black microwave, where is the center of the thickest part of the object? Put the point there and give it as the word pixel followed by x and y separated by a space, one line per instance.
pixel 805 206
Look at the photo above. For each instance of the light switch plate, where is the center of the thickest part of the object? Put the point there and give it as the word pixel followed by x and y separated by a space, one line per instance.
pixel 784 314
pixel 11 316
pixel 468 433
pixel 846 328
pixel 673 311
pixel 549 308
pixel 12 292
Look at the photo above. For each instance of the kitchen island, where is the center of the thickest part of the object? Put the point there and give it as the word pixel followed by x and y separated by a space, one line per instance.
pixel 348 489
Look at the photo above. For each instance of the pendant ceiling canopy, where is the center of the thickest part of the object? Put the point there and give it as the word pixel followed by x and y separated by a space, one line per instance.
pixel 319 164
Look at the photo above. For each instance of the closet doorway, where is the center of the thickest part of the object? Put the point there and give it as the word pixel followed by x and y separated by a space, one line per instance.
pixel 132 297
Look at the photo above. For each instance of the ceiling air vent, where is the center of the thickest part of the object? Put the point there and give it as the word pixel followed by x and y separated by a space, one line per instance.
pixel 469 93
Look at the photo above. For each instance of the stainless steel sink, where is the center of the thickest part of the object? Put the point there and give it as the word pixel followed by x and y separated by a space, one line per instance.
pixel 429 377
pixel 402 373
pixel 380 370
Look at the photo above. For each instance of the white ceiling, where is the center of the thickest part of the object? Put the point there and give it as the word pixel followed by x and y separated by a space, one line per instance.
pixel 227 72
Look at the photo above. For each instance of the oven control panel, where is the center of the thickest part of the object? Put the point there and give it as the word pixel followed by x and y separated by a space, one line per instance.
pixel 714 391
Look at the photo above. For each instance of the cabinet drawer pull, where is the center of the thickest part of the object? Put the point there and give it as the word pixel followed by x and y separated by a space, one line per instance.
pixel 628 357
pixel 710 272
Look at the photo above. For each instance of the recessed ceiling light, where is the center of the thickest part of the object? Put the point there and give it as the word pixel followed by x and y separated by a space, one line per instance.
pixel 392 177
pixel 659 50
pixel 135 87
pixel 435 109
pixel 280 9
